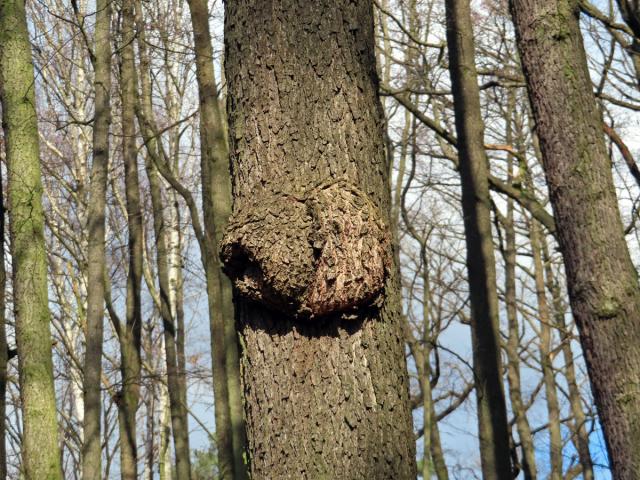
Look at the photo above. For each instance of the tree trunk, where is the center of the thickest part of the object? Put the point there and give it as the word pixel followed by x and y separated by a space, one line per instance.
pixel 602 281
pixel 309 246
pixel 216 207
pixel 512 348
pixel 580 433
pixel 130 333
pixel 178 409
pixel 92 447
pixel 40 449
pixel 514 135
pixel 492 415
pixel 546 360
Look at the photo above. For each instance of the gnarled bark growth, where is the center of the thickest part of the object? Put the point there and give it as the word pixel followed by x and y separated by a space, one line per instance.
pixel 324 251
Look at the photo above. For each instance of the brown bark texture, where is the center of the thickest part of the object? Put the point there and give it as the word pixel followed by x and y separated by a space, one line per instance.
pixel 602 281
pixel 308 246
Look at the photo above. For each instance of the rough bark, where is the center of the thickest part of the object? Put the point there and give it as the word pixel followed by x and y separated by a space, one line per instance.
pixel 602 282
pixel 492 416
pixel 323 352
pixel 40 449
pixel 130 333
pixel 216 207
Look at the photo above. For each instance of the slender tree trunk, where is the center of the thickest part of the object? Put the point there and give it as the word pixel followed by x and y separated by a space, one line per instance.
pixel 216 206
pixel 513 339
pixel 40 449
pixel 178 408
pixel 581 436
pixel 309 246
pixel 92 448
pixel 492 414
pixel 602 281
pixel 130 334
pixel 437 455
pixel 546 361
pixel 428 421
pixel 512 347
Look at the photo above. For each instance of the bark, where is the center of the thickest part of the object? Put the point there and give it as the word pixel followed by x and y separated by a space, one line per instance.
pixel 40 449
pixel 546 360
pixel 216 207
pixel 308 245
pixel 602 281
pixel 130 334
pixel 492 416
pixel 92 447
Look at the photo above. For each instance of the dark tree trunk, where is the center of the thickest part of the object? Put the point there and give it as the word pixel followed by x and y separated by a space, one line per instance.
pixel 130 333
pixel 92 447
pixel 602 281
pixel 492 414
pixel 309 245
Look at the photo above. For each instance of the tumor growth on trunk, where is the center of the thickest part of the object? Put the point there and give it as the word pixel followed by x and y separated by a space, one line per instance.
pixel 312 252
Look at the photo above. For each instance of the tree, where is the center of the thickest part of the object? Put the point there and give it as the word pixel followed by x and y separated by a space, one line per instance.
pixel 130 332
pixel 602 281
pixel 41 453
pixel 92 447
pixel 476 206
pixel 157 161
pixel 308 246
pixel 216 208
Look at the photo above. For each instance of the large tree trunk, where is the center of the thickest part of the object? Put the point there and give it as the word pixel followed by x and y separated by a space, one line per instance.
pixel 309 246
pixel 492 414
pixel 40 449
pixel 216 207
pixel 602 281
pixel 130 333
